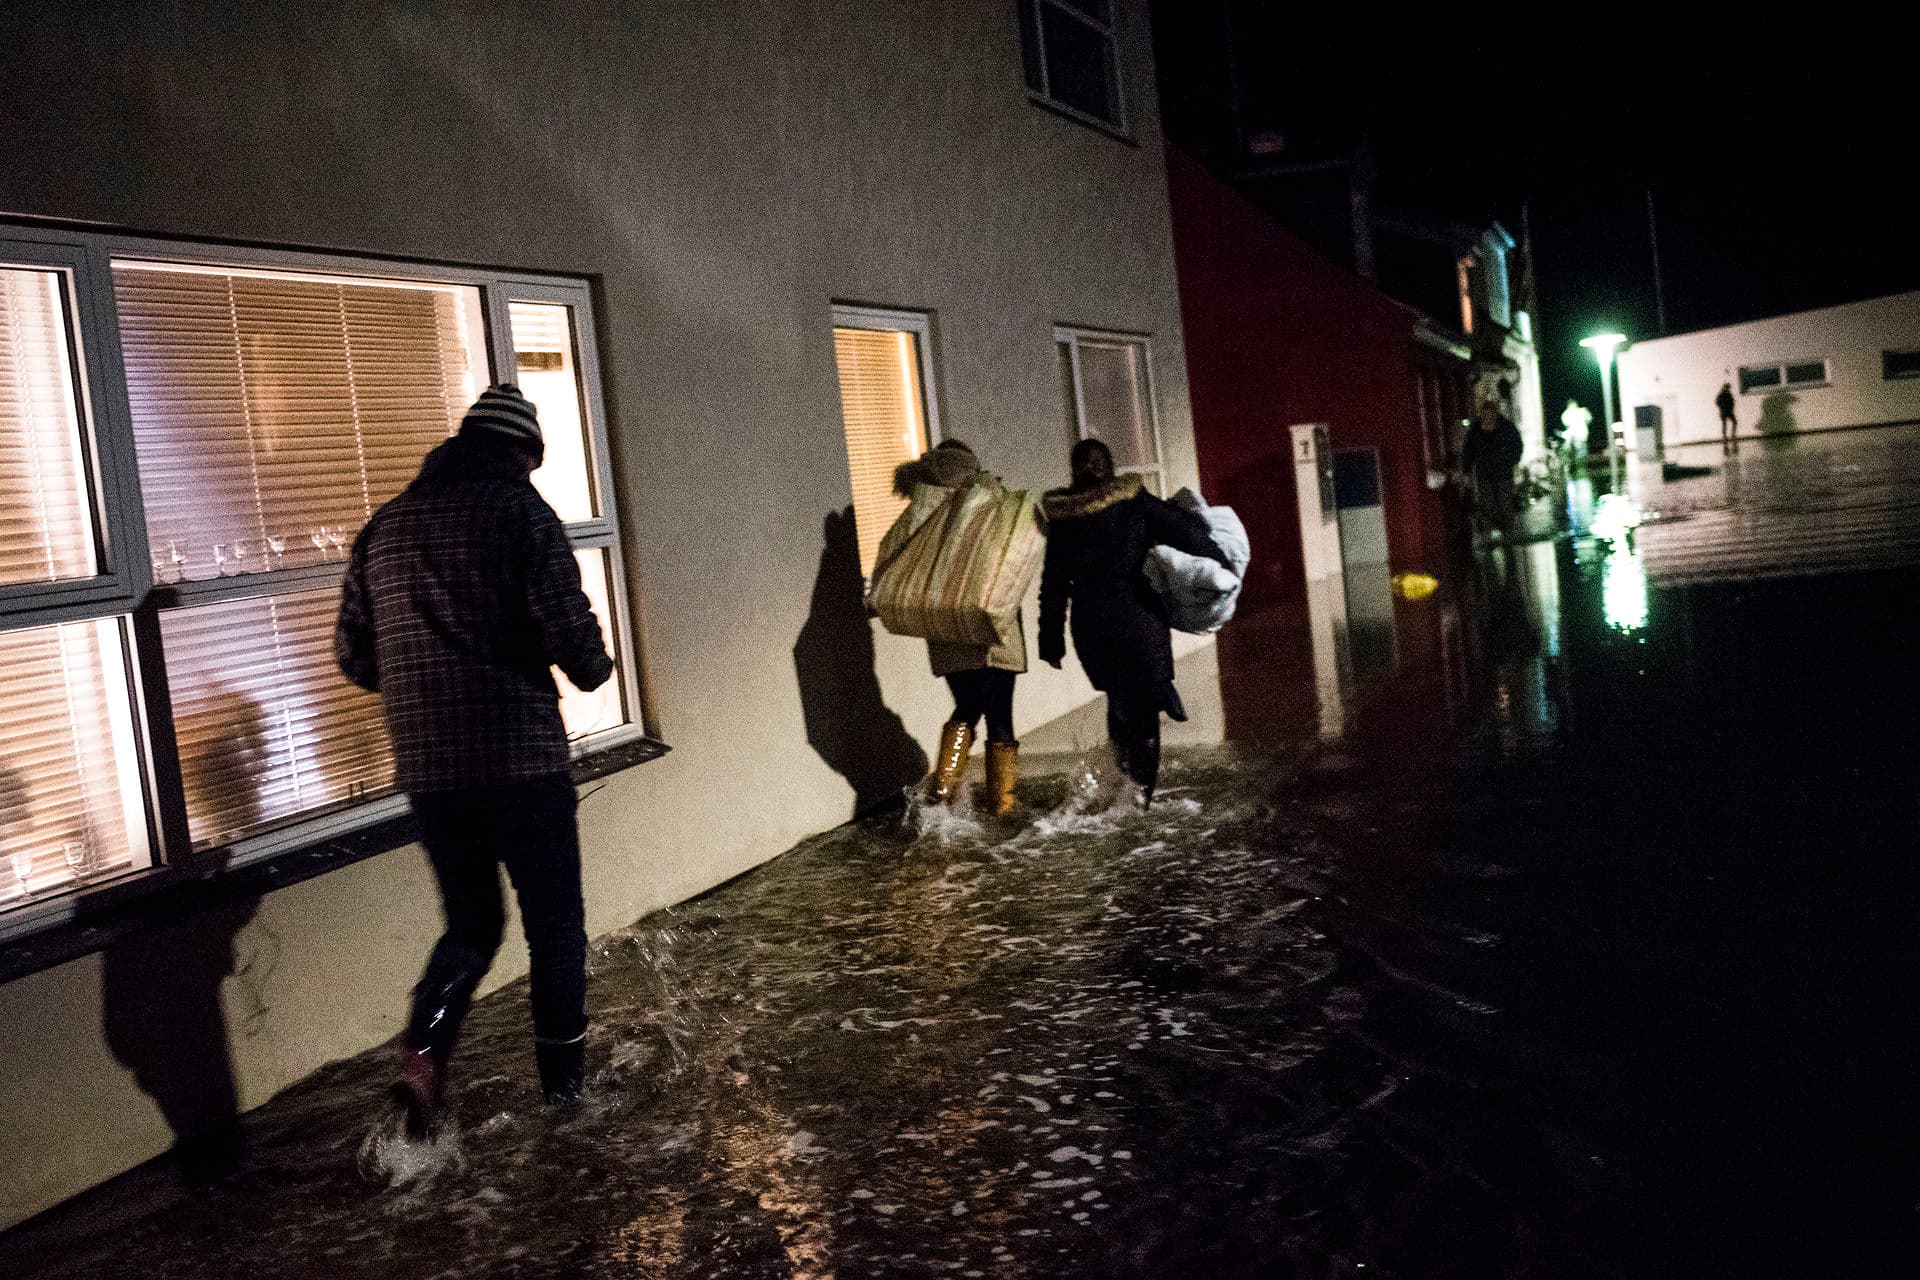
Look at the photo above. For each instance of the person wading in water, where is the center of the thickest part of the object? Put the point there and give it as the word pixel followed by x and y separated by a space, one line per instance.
pixel 1098 532
pixel 460 596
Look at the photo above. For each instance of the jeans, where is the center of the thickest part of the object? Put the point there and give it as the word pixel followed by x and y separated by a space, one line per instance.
pixel 987 692
pixel 530 828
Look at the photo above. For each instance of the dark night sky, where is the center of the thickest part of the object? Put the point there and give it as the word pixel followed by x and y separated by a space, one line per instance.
pixel 1778 149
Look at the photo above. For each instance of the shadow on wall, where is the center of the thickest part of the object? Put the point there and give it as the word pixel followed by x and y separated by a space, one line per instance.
pixel 1776 423
pixel 161 1007
pixel 848 721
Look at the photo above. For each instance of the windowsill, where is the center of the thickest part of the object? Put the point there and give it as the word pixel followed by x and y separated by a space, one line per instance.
pixel 69 928
pixel 1787 386
pixel 1080 117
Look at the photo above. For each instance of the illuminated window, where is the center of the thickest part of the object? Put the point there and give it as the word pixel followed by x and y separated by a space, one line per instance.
pixel 1072 53
pixel 1108 388
pixel 885 370
pixel 261 406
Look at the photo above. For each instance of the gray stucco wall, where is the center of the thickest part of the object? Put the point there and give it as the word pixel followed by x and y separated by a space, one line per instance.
pixel 723 172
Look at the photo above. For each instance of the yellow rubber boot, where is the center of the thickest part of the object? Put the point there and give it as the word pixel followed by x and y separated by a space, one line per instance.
pixel 949 762
pixel 1003 770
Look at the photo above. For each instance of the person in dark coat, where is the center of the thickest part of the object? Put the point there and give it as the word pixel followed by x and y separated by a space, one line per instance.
pixel 1492 450
pixel 460 597
pixel 1729 425
pixel 1098 532
pixel 980 677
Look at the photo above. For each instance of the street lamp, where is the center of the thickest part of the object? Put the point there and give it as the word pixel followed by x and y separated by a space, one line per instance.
pixel 1603 345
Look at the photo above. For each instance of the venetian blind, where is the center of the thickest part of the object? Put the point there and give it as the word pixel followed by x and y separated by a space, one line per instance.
pixel 1113 391
pixel 70 803
pixel 274 413
pixel 882 409
pixel 267 728
pixel 46 527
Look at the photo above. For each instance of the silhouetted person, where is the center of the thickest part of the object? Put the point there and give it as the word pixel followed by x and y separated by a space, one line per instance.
pixel 1729 426
pixel 1098 532
pixel 1489 454
pixel 980 677
pixel 461 595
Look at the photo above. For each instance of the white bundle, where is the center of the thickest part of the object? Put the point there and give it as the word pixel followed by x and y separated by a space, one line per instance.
pixel 1201 593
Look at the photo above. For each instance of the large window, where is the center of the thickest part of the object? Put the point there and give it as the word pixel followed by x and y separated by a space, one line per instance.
pixel 886 370
pixel 1107 385
pixel 1072 53
pixel 1899 364
pixel 190 441
pixel 1792 373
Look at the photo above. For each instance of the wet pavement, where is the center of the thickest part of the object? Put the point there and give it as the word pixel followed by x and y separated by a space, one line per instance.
pixel 1560 924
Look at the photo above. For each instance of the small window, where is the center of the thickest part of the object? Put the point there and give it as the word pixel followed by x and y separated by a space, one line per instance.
pixel 1900 364
pixel 1073 57
pixel 1759 379
pixel 885 370
pixel 1109 394
pixel 1807 371
pixel 72 809
pixel 46 515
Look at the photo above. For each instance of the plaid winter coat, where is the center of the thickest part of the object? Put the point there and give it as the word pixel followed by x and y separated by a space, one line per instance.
pixel 460 596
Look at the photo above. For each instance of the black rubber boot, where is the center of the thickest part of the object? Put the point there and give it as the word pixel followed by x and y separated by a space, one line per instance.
pixel 563 1069
pixel 440 1004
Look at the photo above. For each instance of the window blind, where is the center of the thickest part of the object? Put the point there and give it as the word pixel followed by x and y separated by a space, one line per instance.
pixel 46 525
pixel 1113 390
pixel 882 407
pixel 70 799
pixel 273 413
pixel 544 363
pixel 267 728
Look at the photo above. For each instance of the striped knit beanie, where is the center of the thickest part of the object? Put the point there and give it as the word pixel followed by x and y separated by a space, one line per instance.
pixel 502 411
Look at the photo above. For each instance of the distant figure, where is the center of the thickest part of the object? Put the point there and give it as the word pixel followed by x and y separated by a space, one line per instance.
pixel 980 677
pixel 1099 531
pixel 1490 453
pixel 1729 426
pixel 460 597
pixel 1576 424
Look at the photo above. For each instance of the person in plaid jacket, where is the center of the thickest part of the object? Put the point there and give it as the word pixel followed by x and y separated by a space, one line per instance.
pixel 460 597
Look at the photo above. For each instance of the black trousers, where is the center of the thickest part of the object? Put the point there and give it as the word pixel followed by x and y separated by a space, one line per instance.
pixel 530 828
pixel 987 692
pixel 1133 723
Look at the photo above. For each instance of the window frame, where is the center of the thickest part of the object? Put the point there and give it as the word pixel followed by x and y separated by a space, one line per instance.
pixel 849 315
pixel 1033 39
pixel 126 588
pixel 1070 337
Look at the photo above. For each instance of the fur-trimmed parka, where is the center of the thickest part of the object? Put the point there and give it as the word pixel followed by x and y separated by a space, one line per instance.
pixel 1097 541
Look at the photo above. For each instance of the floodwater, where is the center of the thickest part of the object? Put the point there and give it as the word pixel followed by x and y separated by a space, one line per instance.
pixel 1561 924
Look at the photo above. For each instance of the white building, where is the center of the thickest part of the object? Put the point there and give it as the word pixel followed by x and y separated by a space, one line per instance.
pixel 1855 365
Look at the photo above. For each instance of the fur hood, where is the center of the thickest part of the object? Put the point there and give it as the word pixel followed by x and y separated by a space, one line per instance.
pixel 1065 504
pixel 948 466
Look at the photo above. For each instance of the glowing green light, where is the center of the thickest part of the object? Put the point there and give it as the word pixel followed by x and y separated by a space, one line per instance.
pixel 1603 345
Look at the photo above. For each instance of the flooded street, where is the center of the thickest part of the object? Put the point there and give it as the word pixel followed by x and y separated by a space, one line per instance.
pixel 1581 942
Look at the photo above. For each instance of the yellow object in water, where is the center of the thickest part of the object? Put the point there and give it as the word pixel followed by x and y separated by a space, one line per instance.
pixel 1414 586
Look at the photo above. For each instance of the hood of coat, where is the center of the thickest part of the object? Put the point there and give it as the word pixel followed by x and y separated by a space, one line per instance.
pixel 947 466
pixel 1065 504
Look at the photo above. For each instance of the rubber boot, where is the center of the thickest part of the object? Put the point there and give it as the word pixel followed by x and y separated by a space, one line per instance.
pixel 1139 758
pixel 563 1069
pixel 1003 770
pixel 949 762
pixel 440 1004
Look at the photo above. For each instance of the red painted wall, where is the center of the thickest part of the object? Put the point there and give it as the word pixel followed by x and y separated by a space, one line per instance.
pixel 1276 334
